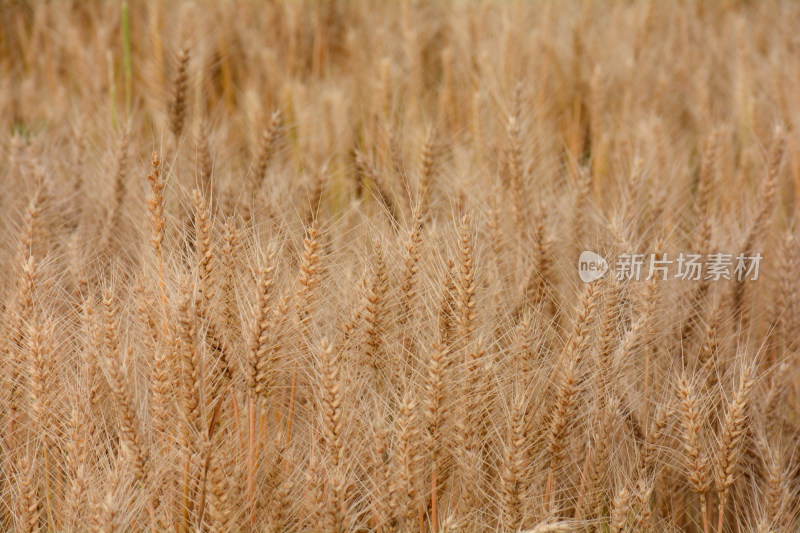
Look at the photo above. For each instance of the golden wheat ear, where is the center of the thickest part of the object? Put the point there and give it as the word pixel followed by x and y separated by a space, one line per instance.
pixel 698 473
pixel 177 105
pixel 730 446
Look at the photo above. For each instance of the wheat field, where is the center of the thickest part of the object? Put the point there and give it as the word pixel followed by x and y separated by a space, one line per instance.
pixel 314 266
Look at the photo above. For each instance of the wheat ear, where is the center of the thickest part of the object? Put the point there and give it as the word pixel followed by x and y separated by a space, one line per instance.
pixel 155 205
pixel 730 447
pixel 177 107
pixel 256 367
pixel 130 427
pixel 514 489
pixel 698 474
pixel 435 416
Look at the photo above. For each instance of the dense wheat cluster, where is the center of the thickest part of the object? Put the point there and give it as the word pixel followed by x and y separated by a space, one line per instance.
pixel 313 266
